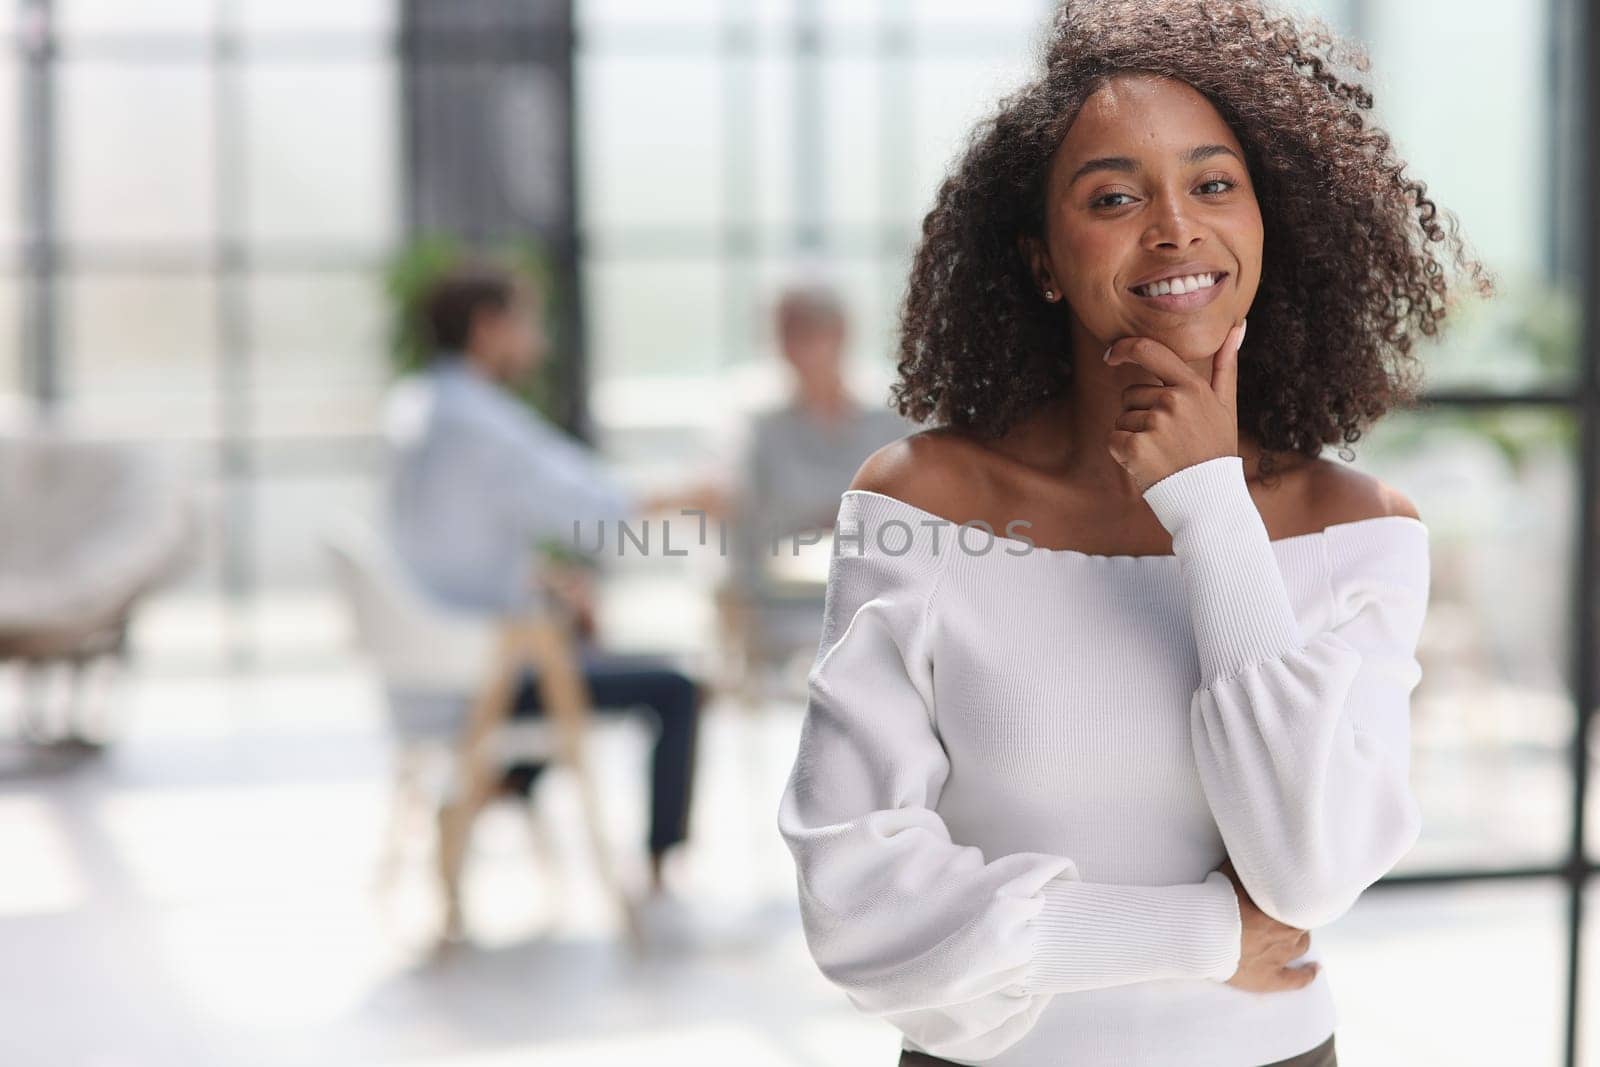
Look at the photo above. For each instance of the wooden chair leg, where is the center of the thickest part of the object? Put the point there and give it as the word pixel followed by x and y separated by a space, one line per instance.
pixel 476 775
pixel 456 818
pixel 567 702
pixel 548 646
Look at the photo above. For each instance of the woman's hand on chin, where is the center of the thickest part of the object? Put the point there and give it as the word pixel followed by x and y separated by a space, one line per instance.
pixel 1186 419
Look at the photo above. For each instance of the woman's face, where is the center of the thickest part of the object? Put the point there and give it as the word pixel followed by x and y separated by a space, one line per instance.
pixel 1150 183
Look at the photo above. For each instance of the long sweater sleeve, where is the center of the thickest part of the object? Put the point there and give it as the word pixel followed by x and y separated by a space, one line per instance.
pixel 960 951
pixel 1302 744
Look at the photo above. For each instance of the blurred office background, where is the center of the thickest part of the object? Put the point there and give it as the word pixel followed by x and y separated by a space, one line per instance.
pixel 200 201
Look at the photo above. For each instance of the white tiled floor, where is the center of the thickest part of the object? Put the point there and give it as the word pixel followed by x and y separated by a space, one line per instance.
pixel 201 895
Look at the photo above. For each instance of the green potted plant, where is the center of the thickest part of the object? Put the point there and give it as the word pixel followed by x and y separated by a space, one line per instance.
pixel 416 265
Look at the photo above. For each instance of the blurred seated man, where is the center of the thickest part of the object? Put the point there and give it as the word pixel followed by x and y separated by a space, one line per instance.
pixel 797 460
pixel 479 478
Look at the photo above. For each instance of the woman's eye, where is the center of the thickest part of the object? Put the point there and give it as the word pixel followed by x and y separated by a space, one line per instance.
pixel 1225 183
pixel 1103 201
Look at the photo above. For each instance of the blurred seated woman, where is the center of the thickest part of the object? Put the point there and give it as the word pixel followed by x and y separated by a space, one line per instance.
pixel 795 461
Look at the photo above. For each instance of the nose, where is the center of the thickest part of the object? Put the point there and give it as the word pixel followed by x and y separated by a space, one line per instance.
pixel 1170 227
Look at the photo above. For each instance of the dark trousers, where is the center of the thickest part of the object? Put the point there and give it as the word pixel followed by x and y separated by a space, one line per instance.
pixel 1321 1056
pixel 622 684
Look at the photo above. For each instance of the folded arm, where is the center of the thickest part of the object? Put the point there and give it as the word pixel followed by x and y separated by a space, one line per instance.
pixel 1302 743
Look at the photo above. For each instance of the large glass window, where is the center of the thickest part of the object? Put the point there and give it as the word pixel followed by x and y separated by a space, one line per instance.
pixel 725 149
pixel 224 190
pixel 1492 720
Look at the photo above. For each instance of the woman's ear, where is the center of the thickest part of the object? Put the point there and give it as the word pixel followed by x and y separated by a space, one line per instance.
pixel 1033 254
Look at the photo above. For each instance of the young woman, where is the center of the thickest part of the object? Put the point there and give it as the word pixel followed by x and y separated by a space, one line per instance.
pixel 1111 705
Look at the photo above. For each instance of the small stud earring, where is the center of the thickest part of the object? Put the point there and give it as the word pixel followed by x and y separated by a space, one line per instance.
pixel 1049 294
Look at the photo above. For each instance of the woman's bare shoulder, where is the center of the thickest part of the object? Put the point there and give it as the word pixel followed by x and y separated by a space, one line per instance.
pixel 936 470
pixel 1343 494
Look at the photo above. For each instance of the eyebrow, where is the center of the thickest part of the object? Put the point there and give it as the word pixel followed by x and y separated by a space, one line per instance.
pixel 1126 165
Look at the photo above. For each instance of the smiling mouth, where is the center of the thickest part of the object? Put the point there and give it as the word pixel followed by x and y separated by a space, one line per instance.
pixel 1180 286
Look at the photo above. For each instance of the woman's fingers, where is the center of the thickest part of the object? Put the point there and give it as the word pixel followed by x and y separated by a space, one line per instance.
pixel 1142 395
pixel 1225 366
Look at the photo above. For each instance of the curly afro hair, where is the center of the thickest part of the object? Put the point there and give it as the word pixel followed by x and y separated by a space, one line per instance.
pixel 1354 253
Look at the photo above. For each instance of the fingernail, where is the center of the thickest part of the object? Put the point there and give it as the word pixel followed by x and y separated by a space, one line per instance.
pixel 1107 355
pixel 1243 323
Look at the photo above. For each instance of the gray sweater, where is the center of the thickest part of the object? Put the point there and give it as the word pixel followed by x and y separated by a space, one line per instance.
pixel 793 472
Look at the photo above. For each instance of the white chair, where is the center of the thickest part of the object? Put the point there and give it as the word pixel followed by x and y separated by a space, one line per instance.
pixel 88 529
pixel 449 679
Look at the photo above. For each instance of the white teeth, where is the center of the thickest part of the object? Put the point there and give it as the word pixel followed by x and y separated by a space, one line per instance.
pixel 1186 284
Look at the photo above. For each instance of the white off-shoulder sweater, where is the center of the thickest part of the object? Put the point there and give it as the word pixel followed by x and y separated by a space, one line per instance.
pixel 1020 768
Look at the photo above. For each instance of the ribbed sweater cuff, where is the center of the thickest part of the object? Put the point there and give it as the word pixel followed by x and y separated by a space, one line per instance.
pixel 1238 605
pixel 1091 935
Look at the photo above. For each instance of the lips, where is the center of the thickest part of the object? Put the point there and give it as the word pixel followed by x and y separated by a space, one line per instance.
pixel 1183 292
pixel 1179 282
